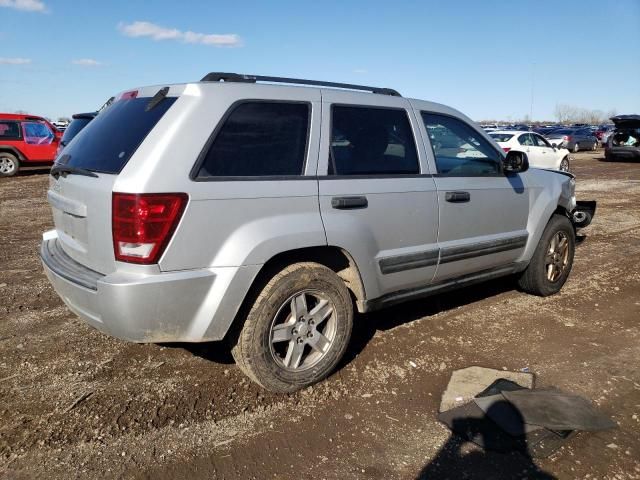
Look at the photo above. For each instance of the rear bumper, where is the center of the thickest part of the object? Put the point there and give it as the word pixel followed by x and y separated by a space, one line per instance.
pixel 622 153
pixel 184 306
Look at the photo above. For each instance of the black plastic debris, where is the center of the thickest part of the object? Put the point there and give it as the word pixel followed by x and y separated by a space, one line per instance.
pixel 508 417
pixel 557 410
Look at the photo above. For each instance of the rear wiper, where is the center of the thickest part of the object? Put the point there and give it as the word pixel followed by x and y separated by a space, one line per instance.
pixel 64 170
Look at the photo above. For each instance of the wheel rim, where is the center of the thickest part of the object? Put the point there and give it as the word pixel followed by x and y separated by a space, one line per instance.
pixel 7 165
pixel 302 331
pixel 564 165
pixel 575 148
pixel 557 257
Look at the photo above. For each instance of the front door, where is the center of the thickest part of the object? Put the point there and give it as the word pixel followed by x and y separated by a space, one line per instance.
pixel 40 142
pixel 377 200
pixel 483 212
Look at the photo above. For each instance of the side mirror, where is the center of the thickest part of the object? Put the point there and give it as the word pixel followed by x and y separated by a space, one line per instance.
pixel 554 145
pixel 515 162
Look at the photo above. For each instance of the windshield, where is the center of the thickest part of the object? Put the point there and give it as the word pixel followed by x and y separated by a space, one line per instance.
pixel 501 137
pixel 109 141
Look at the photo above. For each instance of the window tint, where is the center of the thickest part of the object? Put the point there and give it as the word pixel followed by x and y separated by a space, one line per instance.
pixel 371 141
pixel 260 139
pixel 459 149
pixel 36 133
pixel 9 130
pixel 109 141
pixel 525 139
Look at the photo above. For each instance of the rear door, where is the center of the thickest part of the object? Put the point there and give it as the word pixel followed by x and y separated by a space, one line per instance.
pixel 483 212
pixel 81 204
pixel 377 198
pixel 544 153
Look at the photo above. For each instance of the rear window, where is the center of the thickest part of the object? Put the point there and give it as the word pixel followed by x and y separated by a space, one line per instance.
pixel 74 128
pixel 501 137
pixel 107 143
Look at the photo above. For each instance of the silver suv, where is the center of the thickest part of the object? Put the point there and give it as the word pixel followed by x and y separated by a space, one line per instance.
pixel 248 209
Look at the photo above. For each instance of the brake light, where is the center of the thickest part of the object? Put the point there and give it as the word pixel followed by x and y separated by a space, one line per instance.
pixel 506 149
pixel 129 95
pixel 143 224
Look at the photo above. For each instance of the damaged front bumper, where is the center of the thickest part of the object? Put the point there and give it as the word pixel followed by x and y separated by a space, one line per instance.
pixel 583 214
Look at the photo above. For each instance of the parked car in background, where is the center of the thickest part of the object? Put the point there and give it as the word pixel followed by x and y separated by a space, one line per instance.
pixel 603 132
pixel 191 218
pixel 624 142
pixel 26 140
pixel 545 130
pixel 62 126
pixel 573 139
pixel 539 151
pixel 78 122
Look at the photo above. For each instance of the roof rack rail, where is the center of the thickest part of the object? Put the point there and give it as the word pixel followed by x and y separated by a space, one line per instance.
pixel 241 78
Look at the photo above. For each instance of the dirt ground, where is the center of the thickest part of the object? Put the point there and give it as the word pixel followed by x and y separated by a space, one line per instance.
pixel 75 403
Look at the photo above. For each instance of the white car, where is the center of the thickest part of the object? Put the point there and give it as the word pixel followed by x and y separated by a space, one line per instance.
pixel 539 151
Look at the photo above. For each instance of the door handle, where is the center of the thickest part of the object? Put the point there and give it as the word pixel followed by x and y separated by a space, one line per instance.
pixel 349 203
pixel 457 197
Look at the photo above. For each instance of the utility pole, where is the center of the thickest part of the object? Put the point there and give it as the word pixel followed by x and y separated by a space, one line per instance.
pixel 533 78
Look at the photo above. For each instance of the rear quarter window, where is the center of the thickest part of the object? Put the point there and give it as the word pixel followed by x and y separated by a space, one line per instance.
pixel 109 141
pixel 258 139
pixel 9 130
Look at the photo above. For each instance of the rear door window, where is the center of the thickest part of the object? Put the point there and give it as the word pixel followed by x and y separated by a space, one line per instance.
pixel 109 141
pixel 259 139
pixel 371 141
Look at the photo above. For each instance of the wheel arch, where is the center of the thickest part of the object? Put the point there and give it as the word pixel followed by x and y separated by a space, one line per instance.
pixel 332 257
pixel 13 150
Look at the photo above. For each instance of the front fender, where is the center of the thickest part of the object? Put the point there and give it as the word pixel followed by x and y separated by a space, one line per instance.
pixel 548 190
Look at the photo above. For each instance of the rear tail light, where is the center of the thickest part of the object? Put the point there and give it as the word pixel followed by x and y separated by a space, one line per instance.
pixel 506 149
pixel 143 224
pixel 567 138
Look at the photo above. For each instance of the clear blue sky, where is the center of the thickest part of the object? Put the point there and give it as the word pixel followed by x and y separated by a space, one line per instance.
pixel 477 56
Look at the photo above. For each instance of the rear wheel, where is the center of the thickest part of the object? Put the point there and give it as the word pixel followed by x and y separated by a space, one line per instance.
pixel 564 164
pixel 297 330
pixel 9 164
pixel 552 260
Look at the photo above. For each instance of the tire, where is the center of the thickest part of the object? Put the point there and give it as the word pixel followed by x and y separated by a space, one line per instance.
pixel 576 148
pixel 538 278
pixel 283 354
pixel 564 165
pixel 9 164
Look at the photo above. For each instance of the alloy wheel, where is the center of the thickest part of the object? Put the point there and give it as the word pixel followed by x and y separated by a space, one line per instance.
pixel 7 165
pixel 557 257
pixel 302 331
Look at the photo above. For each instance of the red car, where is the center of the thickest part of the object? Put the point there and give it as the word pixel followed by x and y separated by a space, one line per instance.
pixel 26 140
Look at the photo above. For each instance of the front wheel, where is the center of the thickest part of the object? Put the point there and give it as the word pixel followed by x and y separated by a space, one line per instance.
pixel 297 330
pixel 575 148
pixel 552 260
pixel 595 146
pixel 9 164
pixel 564 165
